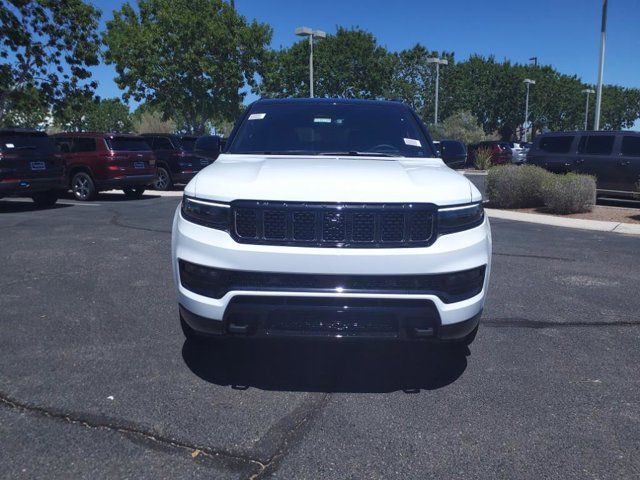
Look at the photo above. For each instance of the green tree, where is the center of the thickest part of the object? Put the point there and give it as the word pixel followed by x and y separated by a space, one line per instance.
pixel 189 58
pixel 147 119
pixel 347 64
pixel 46 47
pixel 82 112
pixel 462 126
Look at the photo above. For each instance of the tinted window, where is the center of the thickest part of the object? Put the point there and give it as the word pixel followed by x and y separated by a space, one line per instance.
pixel 188 143
pixel 330 128
pixel 127 144
pixel 84 145
pixel 18 141
pixel 208 143
pixel 556 144
pixel 162 143
pixel 630 146
pixel 599 145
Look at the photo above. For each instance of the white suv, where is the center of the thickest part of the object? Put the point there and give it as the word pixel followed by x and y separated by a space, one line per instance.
pixel 331 217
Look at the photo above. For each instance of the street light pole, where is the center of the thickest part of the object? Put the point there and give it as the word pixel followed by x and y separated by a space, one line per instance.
pixel 438 62
pixel 528 82
pixel 309 32
pixel 588 91
pixel 603 34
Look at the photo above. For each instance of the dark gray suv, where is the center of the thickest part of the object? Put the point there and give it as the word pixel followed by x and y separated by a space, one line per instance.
pixel 613 157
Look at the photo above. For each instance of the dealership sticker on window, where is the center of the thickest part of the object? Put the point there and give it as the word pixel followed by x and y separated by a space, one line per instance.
pixel 321 120
pixel 412 142
pixel 257 116
pixel 9 145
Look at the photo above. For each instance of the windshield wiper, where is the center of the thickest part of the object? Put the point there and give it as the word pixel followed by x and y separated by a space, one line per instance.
pixel 354 153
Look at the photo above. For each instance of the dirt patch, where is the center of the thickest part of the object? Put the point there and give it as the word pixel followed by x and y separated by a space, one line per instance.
pixel 607 214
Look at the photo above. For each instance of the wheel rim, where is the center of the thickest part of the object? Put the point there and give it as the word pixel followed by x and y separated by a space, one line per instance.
pixel 163 179
pixel 81 187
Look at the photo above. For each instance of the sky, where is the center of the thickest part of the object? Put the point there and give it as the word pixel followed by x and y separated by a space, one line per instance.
pixel 562 33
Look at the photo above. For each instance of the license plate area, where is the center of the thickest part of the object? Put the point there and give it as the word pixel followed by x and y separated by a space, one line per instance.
pixel 37 166
pixel 139 165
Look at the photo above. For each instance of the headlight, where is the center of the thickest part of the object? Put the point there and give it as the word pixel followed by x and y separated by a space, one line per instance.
pixel 456 219
pixel 209 214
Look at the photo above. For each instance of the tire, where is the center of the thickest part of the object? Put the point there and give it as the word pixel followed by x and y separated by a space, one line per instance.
pixel 164 182
pixel 83 187
pixel 45 199
pixel 134 192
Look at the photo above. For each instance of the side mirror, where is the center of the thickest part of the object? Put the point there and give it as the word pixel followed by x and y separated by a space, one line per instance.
pixel 453 153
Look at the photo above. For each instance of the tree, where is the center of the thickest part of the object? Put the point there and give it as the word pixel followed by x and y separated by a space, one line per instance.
pixel 82 112
pixel 146 119
pixel 46 47
pixel 189 58
pixel 347 64
pixel 462 126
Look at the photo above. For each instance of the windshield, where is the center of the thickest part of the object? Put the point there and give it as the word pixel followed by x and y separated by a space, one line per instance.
pixel 326 129
pixel 127 144
pixel 20 142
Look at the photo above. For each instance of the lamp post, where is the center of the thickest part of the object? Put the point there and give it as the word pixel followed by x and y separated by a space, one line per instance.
pixel 311 33
pixel 438 62
pixel 528 82
pixel 603 34
pixel 588 91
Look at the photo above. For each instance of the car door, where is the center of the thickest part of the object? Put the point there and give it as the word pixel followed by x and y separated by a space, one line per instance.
pixel 628 165
pixel 595 157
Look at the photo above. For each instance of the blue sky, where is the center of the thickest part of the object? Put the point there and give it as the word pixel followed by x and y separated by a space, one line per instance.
pixel 562 33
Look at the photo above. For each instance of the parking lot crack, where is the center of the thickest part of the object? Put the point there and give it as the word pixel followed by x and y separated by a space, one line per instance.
pixel 227 459
pixel 291 429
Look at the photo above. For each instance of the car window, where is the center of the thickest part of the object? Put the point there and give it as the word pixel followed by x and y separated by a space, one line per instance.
pixel 127 144
pixel 188 143
pixel 162 143
pixel 598 145
pixel 208 143
pixel 24 141
pixel 83 144
pixel 558 144
pixel 630 146
pixel 325 128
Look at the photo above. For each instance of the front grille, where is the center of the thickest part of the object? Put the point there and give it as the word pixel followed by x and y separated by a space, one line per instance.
pixel 333 225
pixel 217 282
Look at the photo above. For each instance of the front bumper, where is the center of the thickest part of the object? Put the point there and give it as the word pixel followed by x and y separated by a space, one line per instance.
pixel 450 253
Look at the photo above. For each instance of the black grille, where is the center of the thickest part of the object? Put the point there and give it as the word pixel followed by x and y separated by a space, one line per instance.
pixel 216 282
pixel 333 225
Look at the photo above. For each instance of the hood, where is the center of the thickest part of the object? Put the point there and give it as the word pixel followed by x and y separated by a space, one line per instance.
pixel 331 179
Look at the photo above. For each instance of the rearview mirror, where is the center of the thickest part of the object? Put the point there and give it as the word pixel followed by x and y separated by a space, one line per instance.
pixel 453 153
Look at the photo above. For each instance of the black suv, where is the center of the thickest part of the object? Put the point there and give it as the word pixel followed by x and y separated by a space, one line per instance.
pixel 177 158
pixel 613 157
pixel 30 166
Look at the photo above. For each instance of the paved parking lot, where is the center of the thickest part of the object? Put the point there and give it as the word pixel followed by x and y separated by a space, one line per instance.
pixel 96 380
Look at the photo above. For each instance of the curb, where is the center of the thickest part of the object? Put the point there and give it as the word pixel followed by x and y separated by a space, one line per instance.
pixel 579 223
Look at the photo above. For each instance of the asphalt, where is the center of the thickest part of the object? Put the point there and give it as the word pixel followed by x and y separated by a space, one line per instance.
pixel 96 380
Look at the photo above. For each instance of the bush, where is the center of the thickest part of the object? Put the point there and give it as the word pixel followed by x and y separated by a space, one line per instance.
pixel 512 186
pixel 482 159
pixel 570 193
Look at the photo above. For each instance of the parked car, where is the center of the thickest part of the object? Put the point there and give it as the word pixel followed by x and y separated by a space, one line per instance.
pixel 105 161
pixel 500 152
pixel 178 160
pixel 453 153
pixel 518 153
pixel 331 217
pixel 613 157
pixel 30 166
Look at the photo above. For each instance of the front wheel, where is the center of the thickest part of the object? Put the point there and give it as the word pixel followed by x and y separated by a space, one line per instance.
pixel 163 182
pixel 133 192
pixel 45 199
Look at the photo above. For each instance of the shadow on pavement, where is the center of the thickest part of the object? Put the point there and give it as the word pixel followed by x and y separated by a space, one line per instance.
pixel 325 365
pixel 17 206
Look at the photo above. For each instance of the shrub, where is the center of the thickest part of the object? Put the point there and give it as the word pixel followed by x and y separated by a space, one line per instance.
pixel 570 193
pixel 512 186
pixel 482 159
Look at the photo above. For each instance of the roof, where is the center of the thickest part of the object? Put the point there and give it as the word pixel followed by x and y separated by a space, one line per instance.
pixel 6 131
pixel 325 101
pixel 591 132
pixel 95 134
